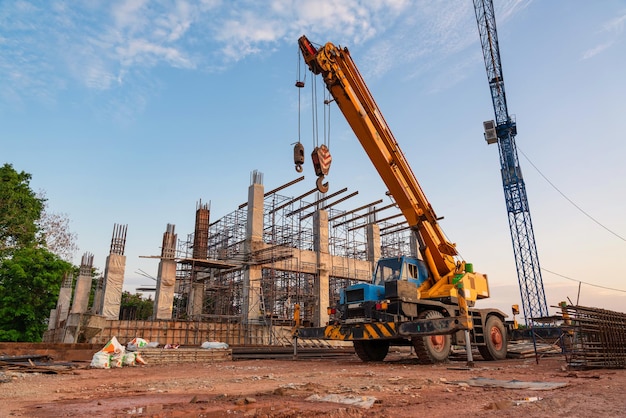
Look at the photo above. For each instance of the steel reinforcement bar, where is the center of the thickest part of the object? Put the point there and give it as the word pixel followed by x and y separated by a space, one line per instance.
pixel 598 336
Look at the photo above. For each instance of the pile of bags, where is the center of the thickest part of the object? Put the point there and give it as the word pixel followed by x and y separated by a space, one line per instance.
pixel 114 354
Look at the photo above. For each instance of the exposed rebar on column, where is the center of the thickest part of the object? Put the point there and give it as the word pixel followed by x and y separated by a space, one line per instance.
pixel 86 264
pixel 118 242
pixel 168 250
pixel 201 234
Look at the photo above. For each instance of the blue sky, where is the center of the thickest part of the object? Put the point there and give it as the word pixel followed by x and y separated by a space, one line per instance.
pixel 131 111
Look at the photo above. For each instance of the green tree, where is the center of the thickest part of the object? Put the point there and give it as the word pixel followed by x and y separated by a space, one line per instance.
pixel 29 286
pixel 135 306
pixel 20 209
pixel 30 274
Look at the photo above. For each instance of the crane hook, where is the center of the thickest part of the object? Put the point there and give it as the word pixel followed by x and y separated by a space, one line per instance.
pixel 323 188
pixel 298 156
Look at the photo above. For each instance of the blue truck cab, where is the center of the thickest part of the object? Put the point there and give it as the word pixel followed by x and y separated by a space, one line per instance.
pixel 363 300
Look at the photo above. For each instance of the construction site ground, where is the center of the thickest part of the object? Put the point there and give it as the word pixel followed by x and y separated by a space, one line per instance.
pixel 333 387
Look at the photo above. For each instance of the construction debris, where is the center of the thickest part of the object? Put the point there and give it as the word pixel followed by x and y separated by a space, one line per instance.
pixel 508 384
pixel 526 349
pixel 35 364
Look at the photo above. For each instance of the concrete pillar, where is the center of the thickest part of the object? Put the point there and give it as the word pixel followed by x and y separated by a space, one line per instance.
pixel 166 276
pixel 373 243
pixel 113 285
pixel 59 314
pixel 52 321
pixel 252 309
pixel 82 290
pixel 114 274
pixel 63 305
pixel 98 297
pixel 414 244
pixel 196 297
pixel 321 283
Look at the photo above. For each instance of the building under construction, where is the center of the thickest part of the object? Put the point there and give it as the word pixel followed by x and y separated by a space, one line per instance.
pixel 239 278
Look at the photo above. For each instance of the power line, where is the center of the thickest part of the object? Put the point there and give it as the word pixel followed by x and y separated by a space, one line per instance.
pixel 568 199
pixel 580 281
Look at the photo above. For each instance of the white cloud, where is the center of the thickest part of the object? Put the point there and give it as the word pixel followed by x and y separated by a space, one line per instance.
pixel 613 29
pixel 590 53
pixel 144 52
pixel 129 14
pixel 104 45
pixel 616 25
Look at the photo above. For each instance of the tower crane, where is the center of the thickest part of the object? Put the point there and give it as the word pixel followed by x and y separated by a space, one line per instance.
pixel 502 131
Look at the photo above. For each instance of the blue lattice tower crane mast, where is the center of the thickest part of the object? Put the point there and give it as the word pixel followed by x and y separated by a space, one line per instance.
pixel 503 131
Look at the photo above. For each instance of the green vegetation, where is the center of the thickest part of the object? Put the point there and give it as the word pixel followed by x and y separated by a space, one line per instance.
pixel 29 287
pixel 135 307
pixel 30 274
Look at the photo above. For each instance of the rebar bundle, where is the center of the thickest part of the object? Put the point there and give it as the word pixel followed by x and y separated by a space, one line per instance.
pixel 598 337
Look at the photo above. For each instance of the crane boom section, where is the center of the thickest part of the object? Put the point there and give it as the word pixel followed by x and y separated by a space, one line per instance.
pixel 520 223
pixel 349 90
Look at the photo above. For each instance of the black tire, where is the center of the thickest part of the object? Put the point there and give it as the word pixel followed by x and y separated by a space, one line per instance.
pixel 495 347
pixel 432 348
pixel 371 350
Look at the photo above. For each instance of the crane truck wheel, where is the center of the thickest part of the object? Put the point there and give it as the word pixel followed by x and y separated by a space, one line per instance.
pixel 432 348
pixel 495 340
pixel 371 350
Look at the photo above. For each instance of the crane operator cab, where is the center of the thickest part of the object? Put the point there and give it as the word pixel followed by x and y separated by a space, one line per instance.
pixel 400 268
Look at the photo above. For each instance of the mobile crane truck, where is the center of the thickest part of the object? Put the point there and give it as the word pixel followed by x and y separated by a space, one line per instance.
pixel 429 301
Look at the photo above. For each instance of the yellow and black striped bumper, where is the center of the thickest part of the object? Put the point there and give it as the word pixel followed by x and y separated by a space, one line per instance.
pixel 349 332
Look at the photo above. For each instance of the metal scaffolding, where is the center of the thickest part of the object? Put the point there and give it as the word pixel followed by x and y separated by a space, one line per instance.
pixel 288 230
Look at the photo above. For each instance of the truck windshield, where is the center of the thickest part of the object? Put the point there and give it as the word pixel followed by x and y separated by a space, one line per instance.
pixel 387 270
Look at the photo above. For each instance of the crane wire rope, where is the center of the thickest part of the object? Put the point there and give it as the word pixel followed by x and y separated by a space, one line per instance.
pixel 314 112
pixel 298 80
pixel 327 101
pixel 568 199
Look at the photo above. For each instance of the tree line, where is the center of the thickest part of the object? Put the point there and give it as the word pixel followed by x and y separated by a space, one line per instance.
pixel 36 251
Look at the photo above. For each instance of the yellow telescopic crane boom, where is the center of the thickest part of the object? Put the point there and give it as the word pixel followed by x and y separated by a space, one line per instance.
pixel 449 276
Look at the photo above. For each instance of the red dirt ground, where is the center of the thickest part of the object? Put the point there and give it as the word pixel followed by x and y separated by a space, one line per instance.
pixel 280 388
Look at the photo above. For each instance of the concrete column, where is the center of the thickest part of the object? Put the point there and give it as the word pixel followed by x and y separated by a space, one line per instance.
pixel 166 276
pixel 63 305
pixel 196 297
pixel 414 244
pixel 52 321
pixel 164 297
pixel 321 282
pixel 373 243
pixel 98 297
pixel 251 309
pixel 82 290
pixel 113 284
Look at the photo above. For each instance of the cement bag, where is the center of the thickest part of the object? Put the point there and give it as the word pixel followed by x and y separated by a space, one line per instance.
pixel 213 344
pixel 117 359
pixel 100 360
pixel 113 346
pixel 129 359
pixel 139 359
pixel 136 343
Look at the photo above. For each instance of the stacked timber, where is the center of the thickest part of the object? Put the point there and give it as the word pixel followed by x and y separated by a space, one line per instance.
pixel 185 355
